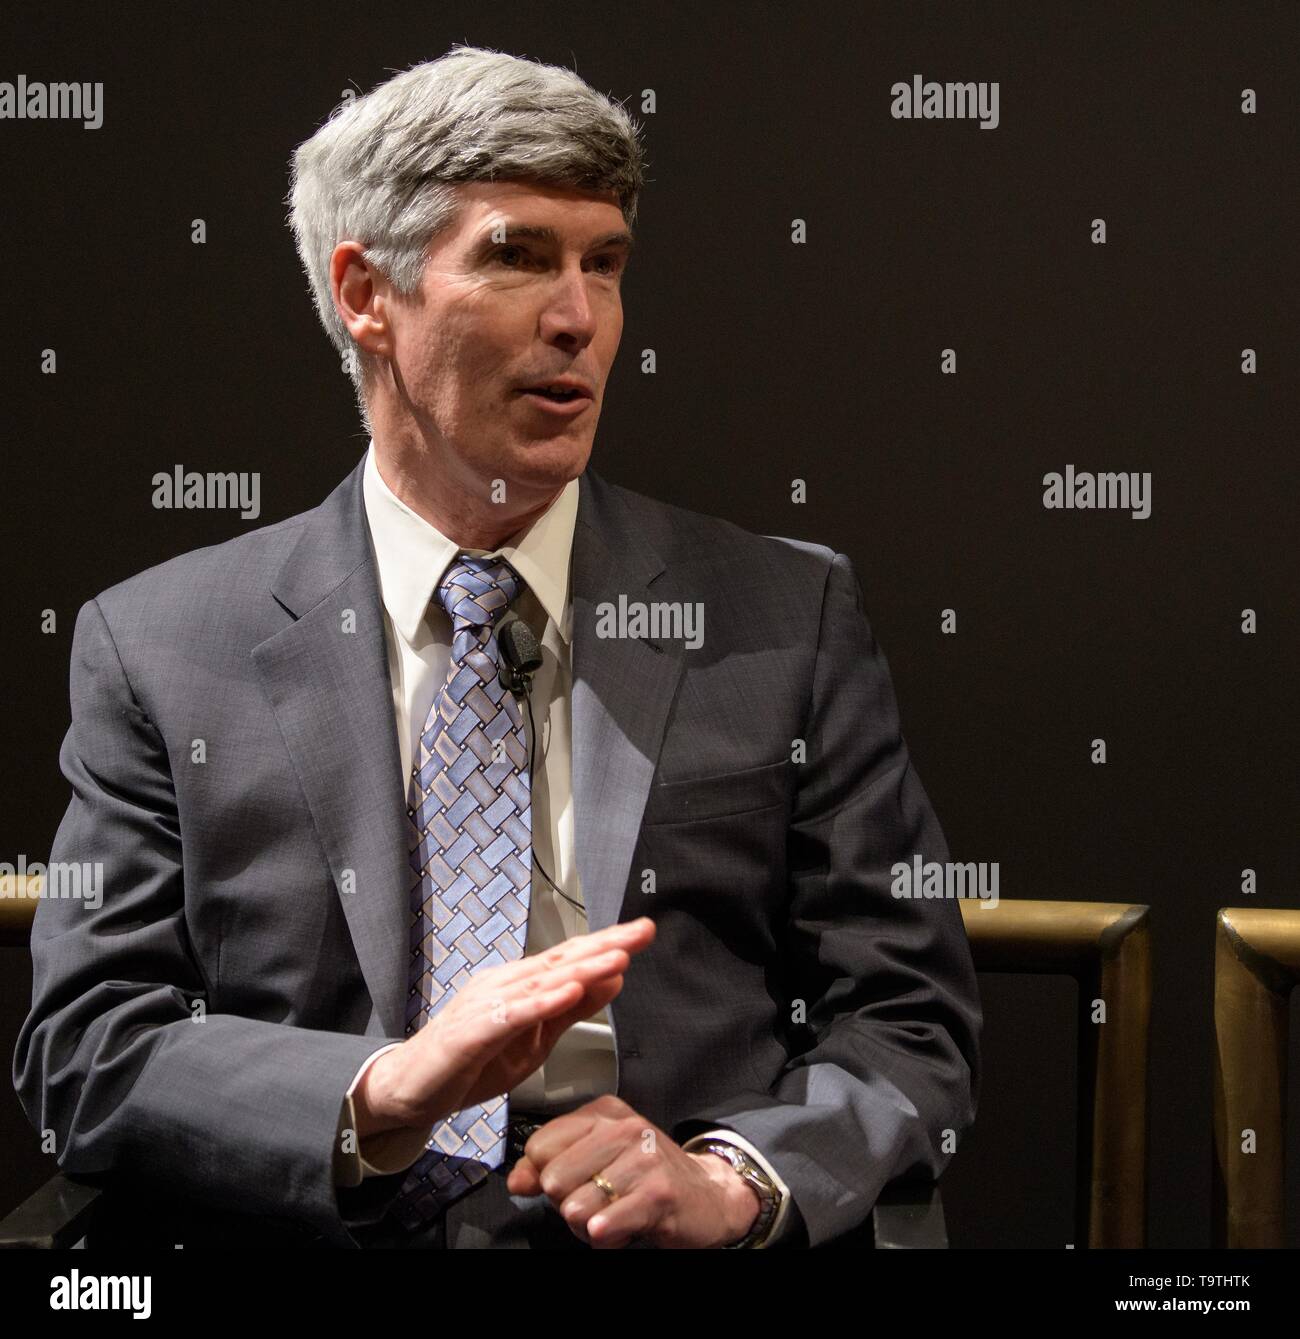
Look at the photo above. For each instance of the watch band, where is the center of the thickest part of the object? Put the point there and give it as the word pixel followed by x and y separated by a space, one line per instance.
pixel 769 1198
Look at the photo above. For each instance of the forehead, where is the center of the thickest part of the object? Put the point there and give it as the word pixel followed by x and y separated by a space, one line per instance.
pixel 556 213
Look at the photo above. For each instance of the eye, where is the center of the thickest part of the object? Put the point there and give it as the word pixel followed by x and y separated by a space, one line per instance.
pixel 503 251
pixel 615 263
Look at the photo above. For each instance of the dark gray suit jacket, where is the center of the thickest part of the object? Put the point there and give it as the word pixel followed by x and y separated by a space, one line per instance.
pixel 226 878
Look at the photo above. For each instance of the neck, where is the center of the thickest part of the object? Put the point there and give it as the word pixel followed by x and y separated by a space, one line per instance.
pixel 443 491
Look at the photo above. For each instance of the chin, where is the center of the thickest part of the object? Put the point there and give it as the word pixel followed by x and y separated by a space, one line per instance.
pixel 550 462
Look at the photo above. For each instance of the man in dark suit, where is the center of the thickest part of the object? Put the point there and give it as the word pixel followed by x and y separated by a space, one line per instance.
pixel 398 947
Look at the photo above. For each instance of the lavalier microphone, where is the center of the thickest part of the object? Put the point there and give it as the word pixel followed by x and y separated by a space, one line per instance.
pixel 521 655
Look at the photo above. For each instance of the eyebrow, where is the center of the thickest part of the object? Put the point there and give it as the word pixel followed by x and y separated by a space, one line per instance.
pixel 543 233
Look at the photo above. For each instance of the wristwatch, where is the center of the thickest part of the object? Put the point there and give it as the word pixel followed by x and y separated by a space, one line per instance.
pixel 769 1199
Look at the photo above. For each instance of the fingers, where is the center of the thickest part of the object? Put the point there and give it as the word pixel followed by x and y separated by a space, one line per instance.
pixel 481 1022
pixel 524 1179
pixel 585 958
pixel 631 937
pixel 617 1223
pixel 569 982
pixel 520 1013
pixel 613 1147
pixel 597 995
pixel 586 973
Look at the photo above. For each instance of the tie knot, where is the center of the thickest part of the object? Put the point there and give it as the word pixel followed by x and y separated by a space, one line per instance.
pixel 476 591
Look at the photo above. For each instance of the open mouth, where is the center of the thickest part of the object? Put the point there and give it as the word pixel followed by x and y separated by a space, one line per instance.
pixel 550 393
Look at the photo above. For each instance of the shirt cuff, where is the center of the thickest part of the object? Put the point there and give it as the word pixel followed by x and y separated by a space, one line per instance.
pixel 380 1154
pixel 782 1219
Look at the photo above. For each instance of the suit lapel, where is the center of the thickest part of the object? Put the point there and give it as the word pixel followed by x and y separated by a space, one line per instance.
pixel 622 690
pixel 326 677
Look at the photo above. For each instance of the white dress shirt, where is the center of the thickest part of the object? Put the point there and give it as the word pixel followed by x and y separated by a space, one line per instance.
pixel 411 557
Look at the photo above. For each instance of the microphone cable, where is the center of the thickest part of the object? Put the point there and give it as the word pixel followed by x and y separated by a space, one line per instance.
pixel 523 660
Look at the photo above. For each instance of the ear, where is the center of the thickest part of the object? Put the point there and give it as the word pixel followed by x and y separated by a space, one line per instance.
pixel 362 298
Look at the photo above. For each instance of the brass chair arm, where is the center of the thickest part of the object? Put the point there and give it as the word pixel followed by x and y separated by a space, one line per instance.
pixel 54 1218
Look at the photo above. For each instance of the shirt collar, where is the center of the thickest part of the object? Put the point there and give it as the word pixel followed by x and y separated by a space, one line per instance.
pixel 411 555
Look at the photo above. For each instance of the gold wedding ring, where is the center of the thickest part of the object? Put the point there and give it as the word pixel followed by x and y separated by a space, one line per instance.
pixel 605 1186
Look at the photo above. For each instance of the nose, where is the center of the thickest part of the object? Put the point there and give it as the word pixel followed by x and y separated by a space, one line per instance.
pixel 568 316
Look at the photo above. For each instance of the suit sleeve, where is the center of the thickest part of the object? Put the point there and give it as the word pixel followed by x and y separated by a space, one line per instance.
pixel 120 1057
pixel 890 1076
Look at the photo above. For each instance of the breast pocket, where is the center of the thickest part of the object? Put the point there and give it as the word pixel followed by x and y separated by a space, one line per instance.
pixel 726 793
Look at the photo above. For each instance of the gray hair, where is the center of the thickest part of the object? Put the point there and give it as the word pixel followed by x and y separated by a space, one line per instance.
pixel 382 168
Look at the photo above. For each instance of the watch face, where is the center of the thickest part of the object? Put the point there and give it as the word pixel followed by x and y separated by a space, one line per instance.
pixel 746 1166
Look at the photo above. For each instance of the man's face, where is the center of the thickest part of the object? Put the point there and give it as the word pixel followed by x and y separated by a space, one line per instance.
pixel 523 290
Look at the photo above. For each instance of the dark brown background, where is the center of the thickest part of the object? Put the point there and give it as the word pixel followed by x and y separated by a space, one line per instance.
pixel 775 361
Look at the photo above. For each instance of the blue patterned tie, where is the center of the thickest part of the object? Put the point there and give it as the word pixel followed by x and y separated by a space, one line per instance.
pixel 471 861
